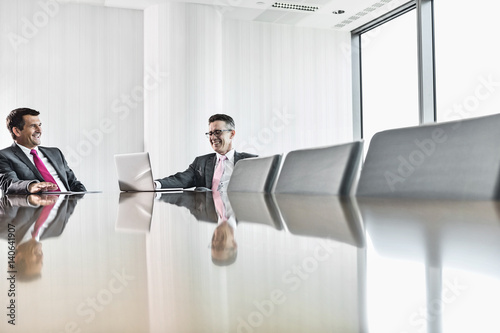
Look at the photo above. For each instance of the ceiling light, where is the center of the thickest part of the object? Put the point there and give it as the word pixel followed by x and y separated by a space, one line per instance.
pixel 293 6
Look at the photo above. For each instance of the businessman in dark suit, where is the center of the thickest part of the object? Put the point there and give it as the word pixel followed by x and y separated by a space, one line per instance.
pixel 26 167
pixel 221 131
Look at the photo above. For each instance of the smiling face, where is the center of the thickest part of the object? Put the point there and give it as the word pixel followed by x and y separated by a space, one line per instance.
pixel 222 143
pixel 29 136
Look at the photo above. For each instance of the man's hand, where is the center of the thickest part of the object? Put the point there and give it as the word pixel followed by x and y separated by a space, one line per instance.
pixel 42 186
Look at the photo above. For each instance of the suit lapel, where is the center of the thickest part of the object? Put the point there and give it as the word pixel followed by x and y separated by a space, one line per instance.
pixel 209 170
pixel 24 224
pixel 237 157
pixel 56 164
pixel 22 156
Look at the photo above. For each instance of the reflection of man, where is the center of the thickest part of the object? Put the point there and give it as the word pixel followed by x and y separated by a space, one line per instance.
pixel 212 207
pixel 200 204
pixel 29 260
pixel 35 217
pixel 224 246
pixel 27 168
pixel 203 171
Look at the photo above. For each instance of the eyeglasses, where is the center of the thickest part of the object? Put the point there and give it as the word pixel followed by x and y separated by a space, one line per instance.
pixel 217 133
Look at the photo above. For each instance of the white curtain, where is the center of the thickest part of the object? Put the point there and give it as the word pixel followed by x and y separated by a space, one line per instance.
pixel 183 45
pixel 81 66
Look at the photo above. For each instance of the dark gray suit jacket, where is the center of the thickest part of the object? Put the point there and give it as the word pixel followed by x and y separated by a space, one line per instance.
pixel 17 171
pixel 199 173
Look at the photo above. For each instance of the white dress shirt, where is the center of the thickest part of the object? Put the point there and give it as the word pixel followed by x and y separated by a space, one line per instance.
pixel 228 169
pixel 230 218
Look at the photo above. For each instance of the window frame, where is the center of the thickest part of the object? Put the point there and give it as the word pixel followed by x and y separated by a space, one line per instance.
pixel 426 62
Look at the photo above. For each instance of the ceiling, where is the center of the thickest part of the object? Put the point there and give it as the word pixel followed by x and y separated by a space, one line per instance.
pixel 356 12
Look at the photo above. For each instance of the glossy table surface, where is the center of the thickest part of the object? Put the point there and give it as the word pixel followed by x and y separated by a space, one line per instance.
pixel 145 262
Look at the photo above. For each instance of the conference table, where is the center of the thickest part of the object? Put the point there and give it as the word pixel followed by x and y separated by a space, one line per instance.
pixel 144 262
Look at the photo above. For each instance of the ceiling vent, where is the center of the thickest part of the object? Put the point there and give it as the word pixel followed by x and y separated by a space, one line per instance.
pixel 362 13
pixel 294 6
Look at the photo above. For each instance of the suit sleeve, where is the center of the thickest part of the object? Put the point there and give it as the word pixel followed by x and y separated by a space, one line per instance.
pixel 9 182
pixel 74 184
pixel 183 179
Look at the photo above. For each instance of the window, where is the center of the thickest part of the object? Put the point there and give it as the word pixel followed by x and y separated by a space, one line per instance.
pixel 389 67
pixel 467 59
pixel 399 68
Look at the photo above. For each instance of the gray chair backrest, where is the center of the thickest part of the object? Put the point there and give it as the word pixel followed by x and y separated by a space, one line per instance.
pixel 451 160
pixel 256 174
pixel 328 170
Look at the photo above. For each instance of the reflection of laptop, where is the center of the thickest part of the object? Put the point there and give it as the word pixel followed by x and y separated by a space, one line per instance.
pixel 135 211
pixel 134 173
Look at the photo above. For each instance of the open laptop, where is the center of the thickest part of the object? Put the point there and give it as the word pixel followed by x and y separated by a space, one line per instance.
pixel 134 173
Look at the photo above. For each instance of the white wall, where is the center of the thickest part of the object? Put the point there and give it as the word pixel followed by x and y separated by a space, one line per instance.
pixel 76 64
pixel 286 87
pixel 289 87
pixel 183 44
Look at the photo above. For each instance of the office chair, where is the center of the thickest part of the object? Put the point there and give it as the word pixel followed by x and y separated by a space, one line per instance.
pixel 256 174
pixel 450 160
pixel 327 171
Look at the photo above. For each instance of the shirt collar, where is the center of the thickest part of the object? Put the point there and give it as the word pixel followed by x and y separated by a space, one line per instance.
pixel 27 151
pixel 229 155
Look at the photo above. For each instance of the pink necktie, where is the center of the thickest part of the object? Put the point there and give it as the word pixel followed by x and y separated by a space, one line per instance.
pixel 219 205
pixel 42 218
pixel 218 173
pixel 43 170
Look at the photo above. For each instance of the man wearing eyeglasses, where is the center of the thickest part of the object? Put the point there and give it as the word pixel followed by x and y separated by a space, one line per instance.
pixel 211 171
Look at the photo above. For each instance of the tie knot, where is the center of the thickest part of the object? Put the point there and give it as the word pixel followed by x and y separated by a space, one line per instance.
pixel 223 157
pixel 33 152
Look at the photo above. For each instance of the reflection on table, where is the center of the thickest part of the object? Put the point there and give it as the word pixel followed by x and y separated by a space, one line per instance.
pixel 28 220
pixel 144 262
pixel 449 252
